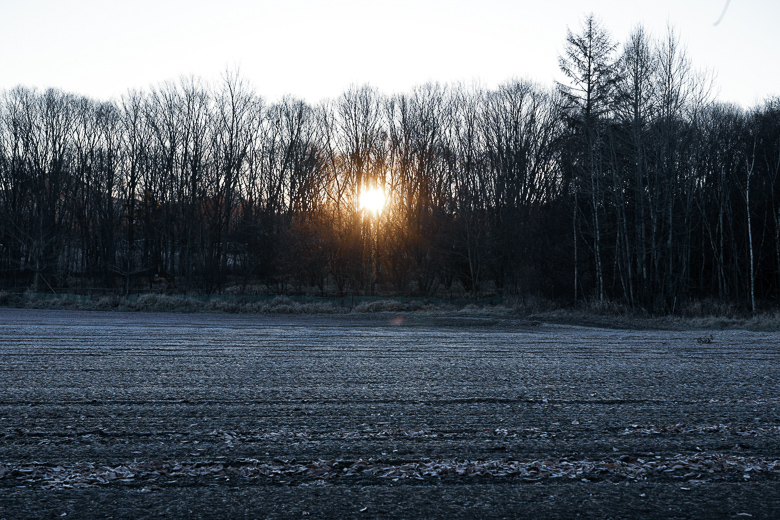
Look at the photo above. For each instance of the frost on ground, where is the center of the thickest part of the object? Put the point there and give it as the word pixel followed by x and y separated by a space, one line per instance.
pixel 696 468
pixel 113 404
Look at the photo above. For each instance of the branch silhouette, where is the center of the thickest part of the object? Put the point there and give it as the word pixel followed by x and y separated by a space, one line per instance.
pixel 725 8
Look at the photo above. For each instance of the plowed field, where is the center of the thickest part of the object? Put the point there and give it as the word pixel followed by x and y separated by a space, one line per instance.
pixel 125 415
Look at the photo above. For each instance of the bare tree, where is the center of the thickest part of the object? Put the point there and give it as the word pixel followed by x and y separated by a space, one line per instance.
pixel 361 155
pixel 417 126
pixel 520 128
pixel 232 135
pixel 470 227
pixel 635 109
pixel 134 151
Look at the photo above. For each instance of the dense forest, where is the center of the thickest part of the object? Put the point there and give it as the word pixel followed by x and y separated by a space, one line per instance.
pixel 628 182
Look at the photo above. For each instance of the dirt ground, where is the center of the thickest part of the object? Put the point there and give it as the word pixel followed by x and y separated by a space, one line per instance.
pixel 149 415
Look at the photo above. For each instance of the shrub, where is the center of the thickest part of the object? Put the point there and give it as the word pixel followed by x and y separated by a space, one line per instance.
pixel 7 299
pixel 106 303
pixel 380 306
pixel 165 303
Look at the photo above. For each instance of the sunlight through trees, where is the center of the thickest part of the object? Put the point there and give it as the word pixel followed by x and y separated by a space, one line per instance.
pixel 627 182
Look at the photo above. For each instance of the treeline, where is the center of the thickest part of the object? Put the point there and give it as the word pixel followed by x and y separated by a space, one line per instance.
pixel 627 182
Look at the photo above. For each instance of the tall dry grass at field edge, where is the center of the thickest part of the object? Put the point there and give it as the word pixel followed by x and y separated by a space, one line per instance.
pixel 709 315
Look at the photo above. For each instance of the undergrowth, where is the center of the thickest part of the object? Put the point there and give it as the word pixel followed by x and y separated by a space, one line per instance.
pixel 702 314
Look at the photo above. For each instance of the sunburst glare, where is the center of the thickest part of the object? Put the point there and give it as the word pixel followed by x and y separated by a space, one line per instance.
pixel 372 200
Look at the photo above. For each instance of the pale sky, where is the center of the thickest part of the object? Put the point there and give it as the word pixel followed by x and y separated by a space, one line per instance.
pixel 316 49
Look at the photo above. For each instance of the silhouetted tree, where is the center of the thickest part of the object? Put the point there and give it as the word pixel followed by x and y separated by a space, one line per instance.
pixel 588 64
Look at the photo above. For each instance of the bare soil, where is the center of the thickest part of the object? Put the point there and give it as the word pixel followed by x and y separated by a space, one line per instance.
pixel 128 415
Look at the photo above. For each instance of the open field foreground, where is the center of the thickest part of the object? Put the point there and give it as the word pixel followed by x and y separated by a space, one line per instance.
pixel 127 415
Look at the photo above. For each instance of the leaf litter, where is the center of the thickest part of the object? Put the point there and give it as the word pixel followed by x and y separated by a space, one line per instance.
pixel 232 437
pixel 681 428
pixel 691 468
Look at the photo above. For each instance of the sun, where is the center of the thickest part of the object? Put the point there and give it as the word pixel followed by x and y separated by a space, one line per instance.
pixel 372 200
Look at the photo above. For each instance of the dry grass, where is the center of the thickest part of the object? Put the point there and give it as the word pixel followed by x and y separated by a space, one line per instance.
pixel 7 299
pixel 395 306
pixel 168 303
pixel 762 321
pixel 704 314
